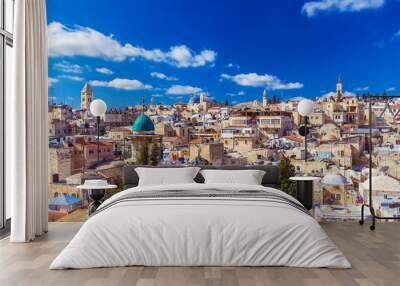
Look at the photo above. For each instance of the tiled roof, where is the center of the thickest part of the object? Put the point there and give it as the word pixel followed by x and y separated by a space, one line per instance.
pixel 64 200
pixel 294 138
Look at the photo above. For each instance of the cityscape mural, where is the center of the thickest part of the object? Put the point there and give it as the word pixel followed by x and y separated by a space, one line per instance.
pixel 205 83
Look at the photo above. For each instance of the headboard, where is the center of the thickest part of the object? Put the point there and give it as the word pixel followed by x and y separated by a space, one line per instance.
pixel 271 177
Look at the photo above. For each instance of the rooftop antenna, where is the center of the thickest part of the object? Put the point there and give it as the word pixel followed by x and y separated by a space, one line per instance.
pixel 142 104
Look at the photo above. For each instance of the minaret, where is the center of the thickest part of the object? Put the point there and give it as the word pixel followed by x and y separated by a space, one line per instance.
pixel 203 103
pixel 86 96
pixel 202 97
pixel 265 98
pixel 339 92
pixel 143 105
pixel 152 105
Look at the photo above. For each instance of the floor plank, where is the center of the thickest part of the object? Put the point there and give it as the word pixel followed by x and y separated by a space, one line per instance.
pixel 375 257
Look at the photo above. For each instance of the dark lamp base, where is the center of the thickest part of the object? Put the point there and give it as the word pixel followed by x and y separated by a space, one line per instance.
pixel 96 196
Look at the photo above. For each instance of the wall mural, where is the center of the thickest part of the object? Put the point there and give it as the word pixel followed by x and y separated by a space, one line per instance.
pixel 196 86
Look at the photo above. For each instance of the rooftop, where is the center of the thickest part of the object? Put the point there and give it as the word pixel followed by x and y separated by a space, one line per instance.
pixel 87 88
pixel 64 200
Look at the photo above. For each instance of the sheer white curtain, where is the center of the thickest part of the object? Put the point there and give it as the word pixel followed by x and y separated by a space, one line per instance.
pixel 26 120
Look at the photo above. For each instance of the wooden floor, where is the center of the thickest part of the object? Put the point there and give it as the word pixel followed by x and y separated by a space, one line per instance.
pixel 375 257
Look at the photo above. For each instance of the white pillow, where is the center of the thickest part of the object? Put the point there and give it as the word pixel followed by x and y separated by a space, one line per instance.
pixel 248 177
pixel 166 176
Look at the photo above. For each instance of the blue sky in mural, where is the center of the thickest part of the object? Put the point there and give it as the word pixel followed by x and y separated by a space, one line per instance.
pixel 231 49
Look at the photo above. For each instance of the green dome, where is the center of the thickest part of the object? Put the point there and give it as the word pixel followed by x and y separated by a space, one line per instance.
pixel 143 123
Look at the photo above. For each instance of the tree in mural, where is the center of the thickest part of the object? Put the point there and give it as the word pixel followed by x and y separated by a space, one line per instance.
pixel 286 170
pixel 143 154
pixel 119 182
pixel 154 156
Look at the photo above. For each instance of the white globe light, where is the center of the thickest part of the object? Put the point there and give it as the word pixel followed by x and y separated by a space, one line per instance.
pixel 98 107
pixel 305 107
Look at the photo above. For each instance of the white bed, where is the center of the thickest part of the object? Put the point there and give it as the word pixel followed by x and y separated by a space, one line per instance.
pixel 202 231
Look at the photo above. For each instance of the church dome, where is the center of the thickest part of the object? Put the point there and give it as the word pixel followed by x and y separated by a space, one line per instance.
pixel 194 99
pixel 143 124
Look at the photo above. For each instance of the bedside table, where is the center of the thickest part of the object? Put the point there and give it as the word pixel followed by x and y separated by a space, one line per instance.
pixel 97 190
pixel 304 193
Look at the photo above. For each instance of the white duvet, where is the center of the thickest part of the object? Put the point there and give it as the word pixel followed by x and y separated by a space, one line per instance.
pixel 202 232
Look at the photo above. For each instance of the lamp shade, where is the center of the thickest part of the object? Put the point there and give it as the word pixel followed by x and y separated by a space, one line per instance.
pixel 305 107
pixel 98 107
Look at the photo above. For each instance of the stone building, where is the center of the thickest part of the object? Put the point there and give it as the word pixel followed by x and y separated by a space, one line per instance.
pixel 238 139
pixel 119 133
pixel 59 128
pixel 328 132
pixel 315 168
pixel 86 97
pixel 182 132
pixel 317 119
pixel 354 109
pixel 60 112
pixel 238 120
pixel 60 163
pixel 164 128
pixel 114 117
pixel 206 152
pixel 275 124
pixel 85 152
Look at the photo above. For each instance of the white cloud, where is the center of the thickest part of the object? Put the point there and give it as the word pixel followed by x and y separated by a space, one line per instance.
pixel 156 95
pixel 182 56
pixel 51 81
pixel 334 94
pixel 122 83
pixel 312 8
pixel 71 77
pixel 236 94
pixel 362 88
pixel 328 95
pixel 297 98
pixel 349 94
pixel 84 41
pixel 104 71
pixel 391 89
pixel 232 65
pixel 256 80
pixel 162 76
pixel 183 89
pixel 68 67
